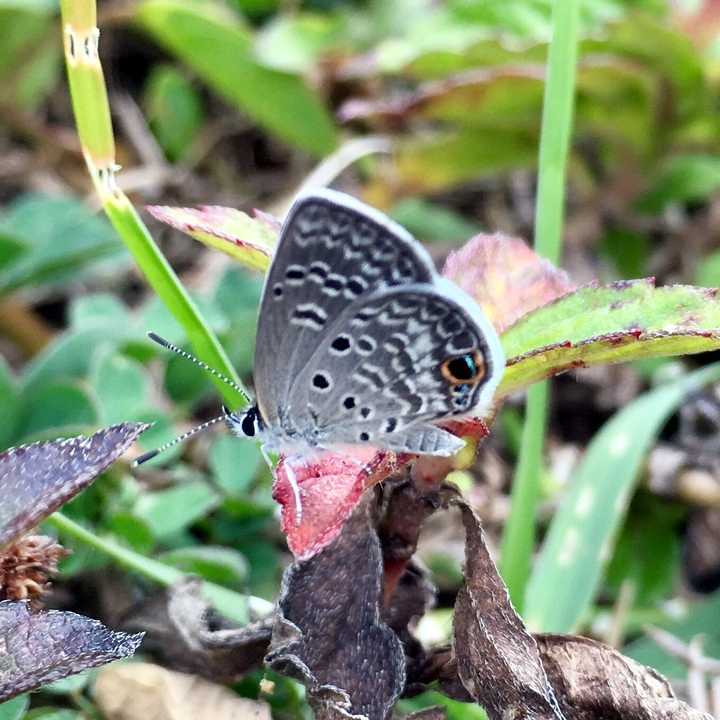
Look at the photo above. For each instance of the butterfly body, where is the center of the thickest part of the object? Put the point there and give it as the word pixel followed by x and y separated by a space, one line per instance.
pixel 360 341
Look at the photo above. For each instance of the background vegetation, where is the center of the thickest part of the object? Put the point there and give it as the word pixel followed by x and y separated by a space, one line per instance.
pixel 432 112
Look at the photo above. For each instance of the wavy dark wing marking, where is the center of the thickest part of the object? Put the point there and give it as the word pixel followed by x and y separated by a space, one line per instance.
pixel 332 251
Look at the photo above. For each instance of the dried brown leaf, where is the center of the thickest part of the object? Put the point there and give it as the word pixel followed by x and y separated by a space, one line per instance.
pixel 594 681
pixel 184 633
pixel 142 691
pixel 497 658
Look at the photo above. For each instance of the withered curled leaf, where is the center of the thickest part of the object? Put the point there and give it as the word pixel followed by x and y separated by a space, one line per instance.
pixel 592 680
pixel 186 634
pixel 498 660
pixel 328 631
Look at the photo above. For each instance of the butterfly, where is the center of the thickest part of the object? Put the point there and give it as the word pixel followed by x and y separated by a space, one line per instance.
pixel 360 341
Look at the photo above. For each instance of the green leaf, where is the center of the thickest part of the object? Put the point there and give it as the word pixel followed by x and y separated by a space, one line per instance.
pixel 62 237
pixel 707 273
pixel 699 619
pixel 121 387
pixel 14 709
pixel 167 512
pixel 184 382
pixel 51 713
pixel 628 252
pixel 579 541
pixel 29 55
pixel 234 463
pixel 430 222
pixel 69 356
pixel 295 42
pixel 10 250
pixel 10 404
pixel 219 47
pixel 55 406
pixel 173 109
pixel 683 178
pixel 100 310
pixel 443 160
pixel 671 56
pixel 610 324
pixel 647 552
pixel 220 565
pixel 156 316
pixel 71 684
pixel 454 709
pixel 162 431
pixel 227 602
pixel 133 531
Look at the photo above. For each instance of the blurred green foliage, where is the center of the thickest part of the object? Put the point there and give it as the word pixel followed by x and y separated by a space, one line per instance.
pixel 458 86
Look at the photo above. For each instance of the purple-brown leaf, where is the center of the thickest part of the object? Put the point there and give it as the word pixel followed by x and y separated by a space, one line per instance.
pixel 35 480
pixel 328 631
pixel 39 648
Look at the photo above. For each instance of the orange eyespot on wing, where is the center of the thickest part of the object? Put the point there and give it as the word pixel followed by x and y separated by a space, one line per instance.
pixel 468 368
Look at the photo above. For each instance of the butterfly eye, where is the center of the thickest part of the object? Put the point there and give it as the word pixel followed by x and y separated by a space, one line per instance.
pixel 468 368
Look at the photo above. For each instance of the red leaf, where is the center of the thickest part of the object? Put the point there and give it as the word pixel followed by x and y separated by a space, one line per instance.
pixel 330 486
pixel 506 277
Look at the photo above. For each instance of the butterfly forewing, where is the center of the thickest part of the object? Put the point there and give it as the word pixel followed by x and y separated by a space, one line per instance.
pixel 332 252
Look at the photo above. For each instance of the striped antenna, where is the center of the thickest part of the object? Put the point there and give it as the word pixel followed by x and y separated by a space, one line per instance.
pixel 180 438
pixel 179 351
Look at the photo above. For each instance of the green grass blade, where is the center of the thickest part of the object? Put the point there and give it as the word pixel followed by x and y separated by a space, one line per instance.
pixel 519 536
pixel 580 538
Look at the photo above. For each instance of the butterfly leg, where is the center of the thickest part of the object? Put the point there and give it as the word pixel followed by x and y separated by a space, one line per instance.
pixel 292 480
pixel 266 458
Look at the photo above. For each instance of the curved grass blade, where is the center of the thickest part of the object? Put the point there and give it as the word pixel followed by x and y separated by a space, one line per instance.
pixel 581 535
pixel 92 115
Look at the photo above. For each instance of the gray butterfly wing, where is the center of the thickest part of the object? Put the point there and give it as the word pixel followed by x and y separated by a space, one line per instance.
pixel 388 366
pixel 332 250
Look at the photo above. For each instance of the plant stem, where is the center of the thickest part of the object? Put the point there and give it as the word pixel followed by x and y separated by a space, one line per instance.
pixel 231 604
pixel 519 536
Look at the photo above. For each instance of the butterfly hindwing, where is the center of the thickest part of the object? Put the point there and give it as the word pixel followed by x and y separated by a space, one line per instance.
pixel 383 367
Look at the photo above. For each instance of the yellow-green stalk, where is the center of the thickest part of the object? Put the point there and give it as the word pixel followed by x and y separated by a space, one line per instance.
pixel 92 115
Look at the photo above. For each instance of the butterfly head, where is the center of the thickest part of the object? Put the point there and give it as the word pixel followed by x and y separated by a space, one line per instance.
pixel 247 424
